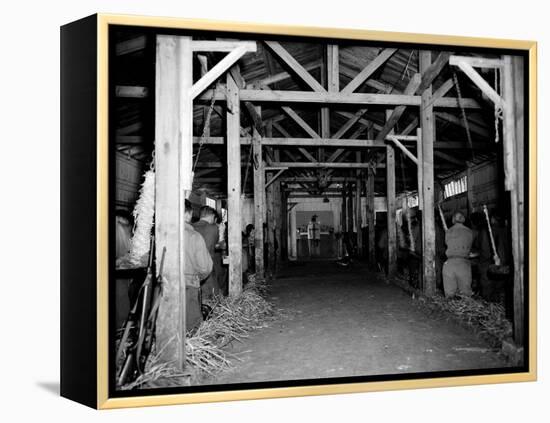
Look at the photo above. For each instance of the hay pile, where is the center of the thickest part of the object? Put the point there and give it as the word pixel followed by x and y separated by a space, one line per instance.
pixel 231 319
pixel 487 318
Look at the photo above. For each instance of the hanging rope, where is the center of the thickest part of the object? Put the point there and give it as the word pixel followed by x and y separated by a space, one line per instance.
pixel 463 114
pixel 205 129
pixel 406 68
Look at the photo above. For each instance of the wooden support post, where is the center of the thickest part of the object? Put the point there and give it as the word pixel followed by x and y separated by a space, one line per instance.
pixel 391 204
pixel 370 218
pixel 344 218
pixel 358 208
pixel 419 169
pixel 470 192
pixel 277 221
pixel 270 206
pixel 259 204
pixel 270 226
pixel 284 225
pixel 514 143
pixel 349 212
pixel 427 125
pixel 173 127
pixel 390 198
pixel 234 187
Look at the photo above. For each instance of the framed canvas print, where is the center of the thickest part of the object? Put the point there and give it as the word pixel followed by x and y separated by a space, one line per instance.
pixel 253 211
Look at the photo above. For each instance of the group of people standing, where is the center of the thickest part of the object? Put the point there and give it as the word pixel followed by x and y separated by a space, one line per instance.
pixel 205 273
pixel 205 276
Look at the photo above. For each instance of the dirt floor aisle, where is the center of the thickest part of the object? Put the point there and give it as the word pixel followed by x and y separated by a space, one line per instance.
pixel 347 322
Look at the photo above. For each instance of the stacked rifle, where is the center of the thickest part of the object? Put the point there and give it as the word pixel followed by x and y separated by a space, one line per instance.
pixel 139 330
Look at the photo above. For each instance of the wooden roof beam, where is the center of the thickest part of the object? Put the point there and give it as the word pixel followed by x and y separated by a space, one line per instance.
pixel 131 45
pixel 277 96
pixel 369 70
pixel 291 62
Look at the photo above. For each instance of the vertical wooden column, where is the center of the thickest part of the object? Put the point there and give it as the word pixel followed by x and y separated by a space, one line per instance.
pixel 391 205
pixel 427 125
pixel 330 76
pixel 470 192
pixel 420 169
pixel 293 241
pixel 513 145
pixel 390 198
pixel 259 204
pixel 173 139
pixel 358 208
pixel 344 217
pixel 270 225
pixel 349 212
pixel 277 220
pixel 370 218
pixel 234 187
pixel 284 225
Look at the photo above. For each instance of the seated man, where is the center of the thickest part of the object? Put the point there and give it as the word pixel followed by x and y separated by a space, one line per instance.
pixel 457 273
pixel 198 265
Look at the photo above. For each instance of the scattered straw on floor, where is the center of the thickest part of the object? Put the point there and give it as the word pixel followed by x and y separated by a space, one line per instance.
pixel 232 319
pixel 489 318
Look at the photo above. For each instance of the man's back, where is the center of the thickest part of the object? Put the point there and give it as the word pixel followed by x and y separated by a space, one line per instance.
pixel 209 232
pixel 198 262
pixel 459 240
pixel 313 230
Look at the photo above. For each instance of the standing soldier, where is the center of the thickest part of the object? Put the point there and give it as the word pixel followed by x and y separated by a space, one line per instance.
pixel 198 265
pixel 209 231
pixel 457 273
pixel 313 236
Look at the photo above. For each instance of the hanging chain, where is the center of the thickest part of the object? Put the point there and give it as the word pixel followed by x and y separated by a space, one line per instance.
pixel 206 127
pixel 463 113
pixel 498 110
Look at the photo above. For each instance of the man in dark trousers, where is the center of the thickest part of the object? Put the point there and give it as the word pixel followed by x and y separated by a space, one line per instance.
pixel 198 265
pixel 209 231
pixel 457 272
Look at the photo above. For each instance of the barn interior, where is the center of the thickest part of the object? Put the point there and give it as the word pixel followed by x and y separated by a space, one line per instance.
pixel 383 143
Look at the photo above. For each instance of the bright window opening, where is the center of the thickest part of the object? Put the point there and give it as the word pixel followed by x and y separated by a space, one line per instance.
pixel 458 186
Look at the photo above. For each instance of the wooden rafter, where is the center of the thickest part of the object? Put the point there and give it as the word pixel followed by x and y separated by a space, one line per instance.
pixel 479 81
pixel 396 114
pixel 369 70
pixel 302 123
pixel 281 52
pixel 220 67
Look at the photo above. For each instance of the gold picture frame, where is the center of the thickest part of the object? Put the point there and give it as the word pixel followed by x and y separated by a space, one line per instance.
pixel 99 397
